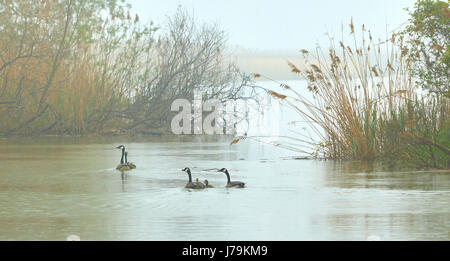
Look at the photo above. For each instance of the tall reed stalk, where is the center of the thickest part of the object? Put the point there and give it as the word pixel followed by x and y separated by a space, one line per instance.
pixel 365 102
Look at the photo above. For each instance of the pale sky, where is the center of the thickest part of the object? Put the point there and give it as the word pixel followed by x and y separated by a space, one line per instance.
pixel 282 24
pixel 265 34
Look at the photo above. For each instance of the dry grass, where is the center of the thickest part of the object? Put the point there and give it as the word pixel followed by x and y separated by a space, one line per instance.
pixel 358 91
pixel 61 68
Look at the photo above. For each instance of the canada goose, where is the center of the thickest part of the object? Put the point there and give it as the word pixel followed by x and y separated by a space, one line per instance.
pixel 237 184
pixel 129 163
pixel 207 184
pixel 122 166
pixel 190 184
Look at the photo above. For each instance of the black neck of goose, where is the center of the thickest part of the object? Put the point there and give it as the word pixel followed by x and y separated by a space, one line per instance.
pixel 228 176
pixel 126 160
pixel 189 174
pixel 123 153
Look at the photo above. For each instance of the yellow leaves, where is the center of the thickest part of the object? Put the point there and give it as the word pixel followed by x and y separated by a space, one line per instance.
pixel 316 68
pixel 285 86
pixel 404 52
pixel 277 95
pixel 400 92
pixel 437 47
pixel 320 77
pixel 445 11
pixel 234 141
pixel 352 27
pixel 256 75
pixel 294 68
pixel 310 76
pixel 304 52
pixel 338 61
pixel 350 50
pixel 409 123
pixel 313 88
pixel 114 131
pixel 359 52
pixel 389 65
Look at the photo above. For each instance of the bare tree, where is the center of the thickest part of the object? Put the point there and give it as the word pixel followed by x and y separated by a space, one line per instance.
pixel 77 67
pixel 187 57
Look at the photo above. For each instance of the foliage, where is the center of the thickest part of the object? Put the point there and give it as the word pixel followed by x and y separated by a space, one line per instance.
pixel 429 40
pixel 77 67
pixel 419 136
pixel 64 64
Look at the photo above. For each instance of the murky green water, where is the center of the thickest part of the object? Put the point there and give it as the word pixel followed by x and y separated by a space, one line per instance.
pixel 51 188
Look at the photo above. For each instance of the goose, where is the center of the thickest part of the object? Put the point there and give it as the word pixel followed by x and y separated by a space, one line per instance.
pixel 122 166
pixel 207 184
pixel 230 184
pixel 190 184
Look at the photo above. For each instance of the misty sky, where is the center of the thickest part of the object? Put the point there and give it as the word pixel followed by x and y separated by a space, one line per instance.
pixel 282 24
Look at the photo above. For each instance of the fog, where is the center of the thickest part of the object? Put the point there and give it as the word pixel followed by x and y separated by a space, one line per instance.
pixel 264 34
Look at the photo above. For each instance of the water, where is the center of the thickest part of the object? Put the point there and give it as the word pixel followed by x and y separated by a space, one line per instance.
pixel 51 188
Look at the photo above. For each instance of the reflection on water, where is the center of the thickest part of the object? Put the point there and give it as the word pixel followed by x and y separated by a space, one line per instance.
pixel 51 188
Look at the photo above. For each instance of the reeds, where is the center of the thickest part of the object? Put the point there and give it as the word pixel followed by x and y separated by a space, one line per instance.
pixel 365 102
